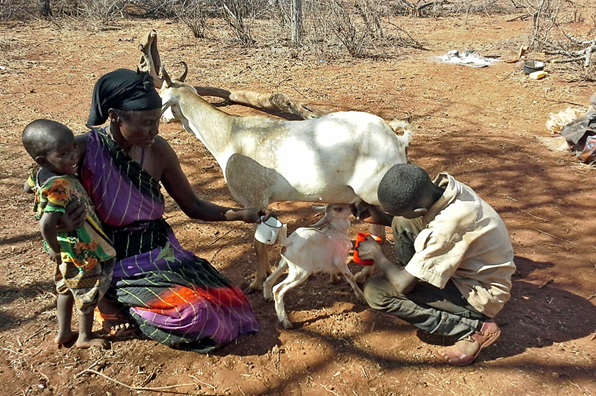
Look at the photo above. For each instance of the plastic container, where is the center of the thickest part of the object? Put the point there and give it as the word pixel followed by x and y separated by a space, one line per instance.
pixel 537 75
pixel 361 236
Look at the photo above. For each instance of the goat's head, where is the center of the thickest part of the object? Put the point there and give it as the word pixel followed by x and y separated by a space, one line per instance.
pixel 334 213
pixel 170 92
pixel 406 136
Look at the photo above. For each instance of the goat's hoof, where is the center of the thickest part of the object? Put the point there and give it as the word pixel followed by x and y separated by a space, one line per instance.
pixel 268 298
pixel 361 276
pixel 287 325
pixel 252 288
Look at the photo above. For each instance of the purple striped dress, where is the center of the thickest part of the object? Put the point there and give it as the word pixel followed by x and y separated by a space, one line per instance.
pixel 175 297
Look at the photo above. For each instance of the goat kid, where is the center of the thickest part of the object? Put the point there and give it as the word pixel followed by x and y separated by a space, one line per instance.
pixel 339 157
pixel 322 247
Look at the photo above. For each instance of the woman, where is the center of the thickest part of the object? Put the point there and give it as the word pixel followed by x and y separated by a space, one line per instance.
pixel 173 296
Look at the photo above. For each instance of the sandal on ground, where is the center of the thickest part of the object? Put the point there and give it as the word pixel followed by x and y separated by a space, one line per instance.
pixel 485 337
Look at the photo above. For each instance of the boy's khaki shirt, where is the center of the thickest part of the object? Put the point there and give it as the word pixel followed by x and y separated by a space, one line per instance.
pixel 465 240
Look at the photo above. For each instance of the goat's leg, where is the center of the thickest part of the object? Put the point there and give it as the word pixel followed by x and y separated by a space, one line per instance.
pixel 334 278
pixel 343 268
pixel 268 285
pixel 263 267
pixel 295 277
pixel 364 273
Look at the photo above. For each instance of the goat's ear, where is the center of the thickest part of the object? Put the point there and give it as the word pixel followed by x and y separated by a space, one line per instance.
pixel 319 209
pixel 324 220
pixel 166 105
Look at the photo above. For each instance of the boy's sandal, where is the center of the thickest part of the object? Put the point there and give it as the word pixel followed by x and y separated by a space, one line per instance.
pixel 485 337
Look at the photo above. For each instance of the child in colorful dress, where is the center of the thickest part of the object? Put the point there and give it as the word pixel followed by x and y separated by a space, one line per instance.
pixel 85 257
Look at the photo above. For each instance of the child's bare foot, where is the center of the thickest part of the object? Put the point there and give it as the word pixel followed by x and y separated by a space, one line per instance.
pixel 65 337
pixel 84 343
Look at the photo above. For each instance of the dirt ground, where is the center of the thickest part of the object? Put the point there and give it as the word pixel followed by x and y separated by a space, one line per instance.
pixel 484 126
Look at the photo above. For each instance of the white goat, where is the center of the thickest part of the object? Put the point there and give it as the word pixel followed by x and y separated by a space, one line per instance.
pixel 322 247
pixel 336 158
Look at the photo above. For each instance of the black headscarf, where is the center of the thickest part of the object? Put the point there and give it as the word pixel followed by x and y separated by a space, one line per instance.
pixel 122 89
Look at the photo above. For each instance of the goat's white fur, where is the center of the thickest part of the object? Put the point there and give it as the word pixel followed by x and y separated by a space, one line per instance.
pixel 312 249
pixel 337 158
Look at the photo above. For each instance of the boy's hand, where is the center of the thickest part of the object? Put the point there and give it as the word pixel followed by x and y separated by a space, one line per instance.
pixel 73 216
pixel 55 256
pixel 369 249
pixel 372 214
pixel 360 210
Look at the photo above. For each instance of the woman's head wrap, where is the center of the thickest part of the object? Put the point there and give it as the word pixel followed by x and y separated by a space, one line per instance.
pixel 122 89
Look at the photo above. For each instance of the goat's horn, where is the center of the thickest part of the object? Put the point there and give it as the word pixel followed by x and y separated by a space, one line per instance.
pixel 184 73
pixel 166 78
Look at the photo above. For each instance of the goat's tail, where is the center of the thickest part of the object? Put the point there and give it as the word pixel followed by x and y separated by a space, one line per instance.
pixel 405 127
pixel 282 236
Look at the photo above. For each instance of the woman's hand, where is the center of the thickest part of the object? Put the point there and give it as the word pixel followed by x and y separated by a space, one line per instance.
pixel 73 216
pixel 369 249
pixel 253 215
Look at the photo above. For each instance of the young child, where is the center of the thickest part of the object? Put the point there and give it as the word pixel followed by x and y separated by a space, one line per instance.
pixel 456 254
pixel 84 257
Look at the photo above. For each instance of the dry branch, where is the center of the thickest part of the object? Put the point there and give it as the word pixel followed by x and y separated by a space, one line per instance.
pixel 138 388
pixel 150 62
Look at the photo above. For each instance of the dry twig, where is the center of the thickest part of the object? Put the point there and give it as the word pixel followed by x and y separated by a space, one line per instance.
pixel 137 388
pixel 551 280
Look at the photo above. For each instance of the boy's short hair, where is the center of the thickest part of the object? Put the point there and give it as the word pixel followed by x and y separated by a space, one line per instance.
pixel 403 186
pixel 39 136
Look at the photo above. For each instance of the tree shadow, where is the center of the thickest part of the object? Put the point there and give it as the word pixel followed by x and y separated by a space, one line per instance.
pixel 10 294
pixel 539 315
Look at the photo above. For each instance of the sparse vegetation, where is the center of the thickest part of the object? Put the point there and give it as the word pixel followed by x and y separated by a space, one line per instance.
pixel 551 35
pixel 360 28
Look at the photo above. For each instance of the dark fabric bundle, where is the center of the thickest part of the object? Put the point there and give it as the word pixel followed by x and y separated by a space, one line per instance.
pixel 122 89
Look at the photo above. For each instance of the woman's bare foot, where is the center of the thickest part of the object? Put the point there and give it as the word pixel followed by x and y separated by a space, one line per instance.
pixel 122 330
pixel 109 314
pixel 65 337
pixel 84 342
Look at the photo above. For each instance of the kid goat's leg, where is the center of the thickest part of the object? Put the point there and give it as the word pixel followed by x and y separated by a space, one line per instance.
pixel 295 277
pixel 342 266
pixel 268 285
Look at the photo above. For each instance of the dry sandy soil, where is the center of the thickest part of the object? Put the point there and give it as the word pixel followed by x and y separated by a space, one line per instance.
pixel 481 125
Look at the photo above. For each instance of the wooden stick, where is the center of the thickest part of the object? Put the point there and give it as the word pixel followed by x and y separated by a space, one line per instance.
pixel 556 237
pixel 201 382
pixel 219 237
pixel 82 372
pixel 329 390
pixel 551 280
pixel 157 389
pixel 10 350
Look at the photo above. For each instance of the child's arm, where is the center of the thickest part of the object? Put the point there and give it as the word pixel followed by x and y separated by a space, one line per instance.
pixel 48 226
pixel 401 279
pixel 27 187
